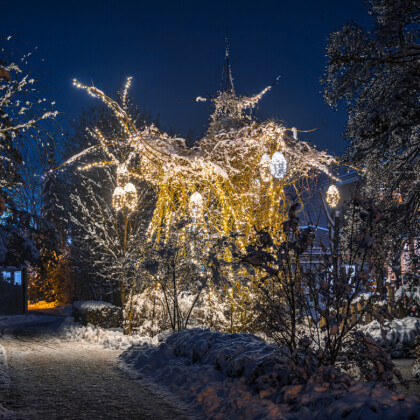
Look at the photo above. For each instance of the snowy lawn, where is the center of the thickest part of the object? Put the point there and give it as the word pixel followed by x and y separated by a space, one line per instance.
pixel 239 376
pixel 398 336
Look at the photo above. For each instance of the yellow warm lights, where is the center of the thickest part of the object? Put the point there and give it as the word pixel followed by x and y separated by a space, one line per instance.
pixel 333 196
pixel 233 181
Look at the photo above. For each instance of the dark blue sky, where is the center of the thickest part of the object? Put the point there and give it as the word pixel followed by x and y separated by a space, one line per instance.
pixel 175 50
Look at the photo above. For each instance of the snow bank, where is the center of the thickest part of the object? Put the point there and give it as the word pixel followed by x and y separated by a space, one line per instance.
pixel 94 305
pixel 399 334
pixel 112 339
pixel 240 376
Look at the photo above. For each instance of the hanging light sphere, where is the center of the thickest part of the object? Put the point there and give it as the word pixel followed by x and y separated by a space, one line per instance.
pixel 118 198
pixel 333 196
pixel 278 165
pixel 264 168
pixel 196 204
pixel 130 196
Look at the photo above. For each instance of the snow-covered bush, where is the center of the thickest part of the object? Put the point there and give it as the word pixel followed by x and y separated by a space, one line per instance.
pixel 101 314
pixel 314 308
pixel 397 336
pixel 149 314
pixel 240 376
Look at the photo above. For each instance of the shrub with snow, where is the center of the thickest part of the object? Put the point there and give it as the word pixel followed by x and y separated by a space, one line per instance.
pixel 240 376
pixel 397 335
pixel 149 315
pixel 101 314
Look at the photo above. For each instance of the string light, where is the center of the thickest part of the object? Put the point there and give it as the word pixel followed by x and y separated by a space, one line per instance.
pixel 333 196
pixel 118 198
pixel 196 205
pixel 234 154
pixel 130 196
pixel 278 165
pixel 264 168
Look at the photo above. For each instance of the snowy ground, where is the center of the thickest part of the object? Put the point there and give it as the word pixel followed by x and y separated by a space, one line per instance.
pixel 49 375
pixel 58 369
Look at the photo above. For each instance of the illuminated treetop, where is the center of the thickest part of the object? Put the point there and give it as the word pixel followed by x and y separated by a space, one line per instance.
pixel 241 167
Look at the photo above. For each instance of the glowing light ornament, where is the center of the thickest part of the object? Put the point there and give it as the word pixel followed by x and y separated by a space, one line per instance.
pixel 264 168
pixel 333 196
pixel 118 198
pixel 130 196
pixel 278 165
pixel 196 205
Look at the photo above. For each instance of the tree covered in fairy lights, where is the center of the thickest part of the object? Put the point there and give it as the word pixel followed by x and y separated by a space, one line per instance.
pixel 237 178
pixel 241 168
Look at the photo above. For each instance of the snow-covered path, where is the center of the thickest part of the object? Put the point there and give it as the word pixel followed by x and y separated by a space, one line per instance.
pixel 51 378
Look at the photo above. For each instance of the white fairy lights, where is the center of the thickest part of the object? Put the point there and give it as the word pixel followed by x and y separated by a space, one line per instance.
pixel 196 205
pixel 333 196
pixel 264 168
pixel 118 198
pixel 130 196
pixel 234 151
pixel 278 165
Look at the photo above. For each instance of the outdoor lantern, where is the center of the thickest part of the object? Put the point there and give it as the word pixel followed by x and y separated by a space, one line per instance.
pixel 265 168
pixel 130 196
pixel 333 196
pixel 118 198
pixel 278 165
pixel 196 204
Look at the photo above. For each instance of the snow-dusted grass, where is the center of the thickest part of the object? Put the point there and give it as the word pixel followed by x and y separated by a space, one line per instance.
pixel 239 376
pixel 112 339
pixel 399 334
